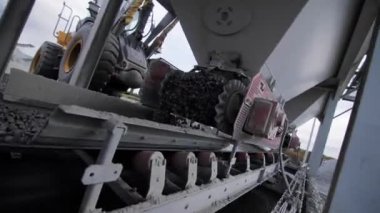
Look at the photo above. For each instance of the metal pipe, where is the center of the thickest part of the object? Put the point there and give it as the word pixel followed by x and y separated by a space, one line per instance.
pixel 309 142
pixel 316 155
pixel 92 50
pixel 231 160
pixel 282 166
pixel 345 111
pixel 157 43
pixel 12 23
pixel 145 12
pixel 165 21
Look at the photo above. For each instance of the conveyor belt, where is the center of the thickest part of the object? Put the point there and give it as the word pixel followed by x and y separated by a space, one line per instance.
pixel 81 126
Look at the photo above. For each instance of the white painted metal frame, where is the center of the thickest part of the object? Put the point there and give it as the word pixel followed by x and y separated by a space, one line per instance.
pixel 355 186
pixel 323 132
pixel 206 198
pixel 98 174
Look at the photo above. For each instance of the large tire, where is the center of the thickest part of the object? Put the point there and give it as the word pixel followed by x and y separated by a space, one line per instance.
pixel 107 63
pixel 46 60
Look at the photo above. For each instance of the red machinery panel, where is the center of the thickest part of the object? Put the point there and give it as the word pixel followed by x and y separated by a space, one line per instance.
pixel 261 117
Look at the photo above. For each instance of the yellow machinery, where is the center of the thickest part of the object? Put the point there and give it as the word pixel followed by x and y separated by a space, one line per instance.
pixel 49 54
pixel 123 62
pixel 66 18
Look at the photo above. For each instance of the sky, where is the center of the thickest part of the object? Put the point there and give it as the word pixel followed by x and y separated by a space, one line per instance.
pixel 337 131
pixel 44 16
pixel 176 50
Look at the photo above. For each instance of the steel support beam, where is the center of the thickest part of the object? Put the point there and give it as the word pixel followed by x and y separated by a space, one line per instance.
pixel 92 50
pixel 11 24
pixel 316 155
pixel 165 21
pixel 355 186
pixel 309 142
pixel 356 48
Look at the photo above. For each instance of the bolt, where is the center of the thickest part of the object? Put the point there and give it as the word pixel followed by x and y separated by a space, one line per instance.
pixel 124 64
pixel 248 101
pixel 224 15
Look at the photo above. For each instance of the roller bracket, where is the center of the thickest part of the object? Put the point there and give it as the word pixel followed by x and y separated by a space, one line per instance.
pixel 153 166
pixel 186 166
pixel 207 167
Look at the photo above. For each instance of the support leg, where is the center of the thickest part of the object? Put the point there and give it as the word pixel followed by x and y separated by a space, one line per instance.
pixel 11 25
pixel 316 155
pixel 104 170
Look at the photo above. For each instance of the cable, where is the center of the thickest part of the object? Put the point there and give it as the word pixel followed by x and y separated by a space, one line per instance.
pixel 151 26
pixel 345 111
pixel 132 29
pixel 281 159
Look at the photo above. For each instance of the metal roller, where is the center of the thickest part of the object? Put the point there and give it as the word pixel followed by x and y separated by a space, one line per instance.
pixel 207 167
pixel 185 165
pixel 152 165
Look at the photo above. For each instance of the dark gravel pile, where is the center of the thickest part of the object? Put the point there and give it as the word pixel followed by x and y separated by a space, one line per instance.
pixel 192 95
pixel 20 125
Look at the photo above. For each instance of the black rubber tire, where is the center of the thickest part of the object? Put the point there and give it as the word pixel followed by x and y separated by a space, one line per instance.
pixel 107 63
pixel 46 60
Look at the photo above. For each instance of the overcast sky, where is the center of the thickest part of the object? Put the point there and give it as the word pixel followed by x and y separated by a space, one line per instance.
pixel 43 18
pixel 337 132
pixel 176 50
